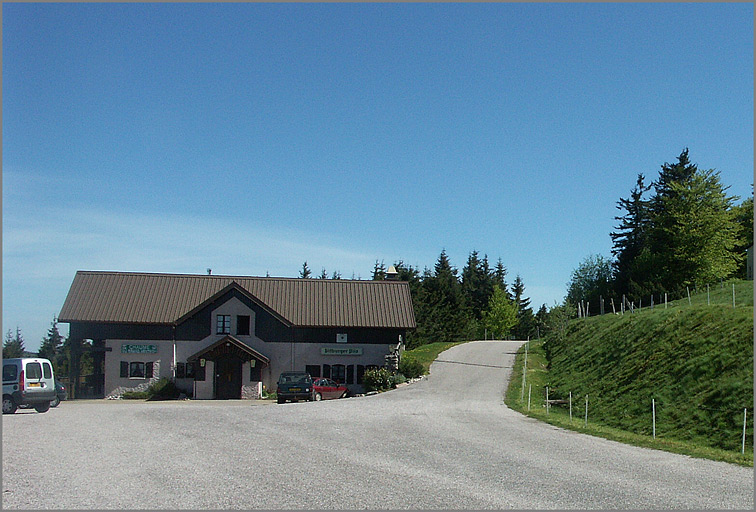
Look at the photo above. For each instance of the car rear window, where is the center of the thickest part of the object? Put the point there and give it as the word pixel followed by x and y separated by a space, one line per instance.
pixel 48 371
pixel 33 371
pixel 10 372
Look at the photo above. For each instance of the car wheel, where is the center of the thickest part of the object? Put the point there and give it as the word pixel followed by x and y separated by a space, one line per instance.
pixel 344 395
pixel 318 397
pixel 42 407
pixel 9 406
pixel 55 402
pixel 281 400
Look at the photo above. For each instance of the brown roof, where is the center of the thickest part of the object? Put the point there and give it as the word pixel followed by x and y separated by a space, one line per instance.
pixel 141 298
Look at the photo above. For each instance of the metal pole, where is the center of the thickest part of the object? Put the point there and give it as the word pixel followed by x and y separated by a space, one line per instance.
pixel 547 400
pixel 745 416
pixel 586 411
pixel 653 414
pixel 570 406
pixel 530 386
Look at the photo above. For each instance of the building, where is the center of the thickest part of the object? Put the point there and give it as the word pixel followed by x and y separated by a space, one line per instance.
pixel 226 337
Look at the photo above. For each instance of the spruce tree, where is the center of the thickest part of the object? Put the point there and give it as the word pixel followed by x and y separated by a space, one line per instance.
pixel 51 344
pixel 305 272
pixel 14 345
pixel 631 237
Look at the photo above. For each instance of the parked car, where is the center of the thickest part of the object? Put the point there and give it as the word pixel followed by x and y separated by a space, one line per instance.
pixel 327 388
pixel 61 392
pixel 294 386
pixel 27 381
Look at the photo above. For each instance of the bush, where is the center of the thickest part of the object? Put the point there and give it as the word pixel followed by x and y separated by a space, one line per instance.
pixel 135 395
pixel 411 368
pixel 163 389
pixel 377 379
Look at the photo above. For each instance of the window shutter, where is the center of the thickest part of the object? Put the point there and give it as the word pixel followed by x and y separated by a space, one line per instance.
pixel 124 369
pixel 148 370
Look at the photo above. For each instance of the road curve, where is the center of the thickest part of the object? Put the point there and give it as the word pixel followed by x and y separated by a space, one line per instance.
pixel 446 442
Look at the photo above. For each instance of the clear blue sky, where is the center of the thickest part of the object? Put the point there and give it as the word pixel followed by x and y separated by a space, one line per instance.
pixel 248 138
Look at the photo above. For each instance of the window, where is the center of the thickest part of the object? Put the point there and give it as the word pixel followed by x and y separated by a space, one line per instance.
pixel 242 325
pixel 350 374
pixel 313 370
pixel 47 370
pixel 338 373
pixel 33 371
pixel 327 371
pixel 360 373
pixel 189 370
pixel 223 324
pixel 180 370
pixel 136 370
pixel 10 372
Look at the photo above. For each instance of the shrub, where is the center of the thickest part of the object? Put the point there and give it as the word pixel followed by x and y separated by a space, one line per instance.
pixel 163 389
pixel 410 367
pixel 377 379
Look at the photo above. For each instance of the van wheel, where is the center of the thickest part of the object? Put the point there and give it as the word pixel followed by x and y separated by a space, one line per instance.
pixel 9 406
pixel 55 402
pixel 42 407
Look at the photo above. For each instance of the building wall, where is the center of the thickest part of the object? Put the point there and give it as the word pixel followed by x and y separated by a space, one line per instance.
pixel 284 356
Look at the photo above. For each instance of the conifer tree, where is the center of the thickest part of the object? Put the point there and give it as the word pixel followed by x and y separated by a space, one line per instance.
pixel 51 344
pixel 14 345
pixel 305 272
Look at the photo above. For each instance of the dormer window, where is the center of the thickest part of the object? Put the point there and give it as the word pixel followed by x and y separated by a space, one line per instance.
pixel 223 324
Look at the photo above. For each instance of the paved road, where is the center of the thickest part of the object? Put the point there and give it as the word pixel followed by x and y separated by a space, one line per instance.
pixel 446 442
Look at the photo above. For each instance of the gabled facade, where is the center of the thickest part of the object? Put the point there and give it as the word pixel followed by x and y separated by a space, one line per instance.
pixel 227 337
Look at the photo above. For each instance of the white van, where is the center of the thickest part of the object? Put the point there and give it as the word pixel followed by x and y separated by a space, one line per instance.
pixel 27 381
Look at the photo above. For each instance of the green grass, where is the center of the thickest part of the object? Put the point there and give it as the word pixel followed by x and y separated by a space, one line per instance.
pixel 695 361
pixel 426 354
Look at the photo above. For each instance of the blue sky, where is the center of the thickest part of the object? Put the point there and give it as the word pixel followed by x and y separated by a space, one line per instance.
pixel 248 138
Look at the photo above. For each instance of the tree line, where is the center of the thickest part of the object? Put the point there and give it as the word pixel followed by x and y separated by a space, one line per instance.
pixel 450 305
pixel 680 231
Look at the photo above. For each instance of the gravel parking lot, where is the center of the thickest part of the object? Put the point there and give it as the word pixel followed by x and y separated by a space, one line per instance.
pixel 445 442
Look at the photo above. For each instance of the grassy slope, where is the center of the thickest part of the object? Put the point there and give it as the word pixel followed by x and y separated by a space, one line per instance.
pixel 695 361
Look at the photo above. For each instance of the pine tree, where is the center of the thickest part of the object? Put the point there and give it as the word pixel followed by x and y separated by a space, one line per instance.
pixel 323 274
pixel 631 236
pixel 51 344
pixel 305 272
pixel 695 231
pixel 500 275
pixel 477 284
pixel 525 320
pixel 379 271
pixel 13 345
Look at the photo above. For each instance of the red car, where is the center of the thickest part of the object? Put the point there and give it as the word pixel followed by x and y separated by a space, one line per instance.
pixel 326 388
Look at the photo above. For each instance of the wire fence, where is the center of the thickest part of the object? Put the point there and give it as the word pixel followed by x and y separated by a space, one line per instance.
pixel 717 294
pixel 650 416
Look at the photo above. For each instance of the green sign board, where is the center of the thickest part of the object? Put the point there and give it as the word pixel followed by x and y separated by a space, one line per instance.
pixel 138 349
pixel 341 351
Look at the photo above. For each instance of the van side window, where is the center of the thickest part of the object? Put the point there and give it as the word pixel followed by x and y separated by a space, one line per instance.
pixel 33 371
pixel 10 372
pixel 47 370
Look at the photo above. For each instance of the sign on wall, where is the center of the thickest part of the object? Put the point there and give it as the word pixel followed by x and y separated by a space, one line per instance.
pixel 351 351
pixel 138 349
pixel 341 338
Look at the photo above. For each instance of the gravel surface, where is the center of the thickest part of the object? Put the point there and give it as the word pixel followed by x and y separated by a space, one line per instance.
pixel 445 442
